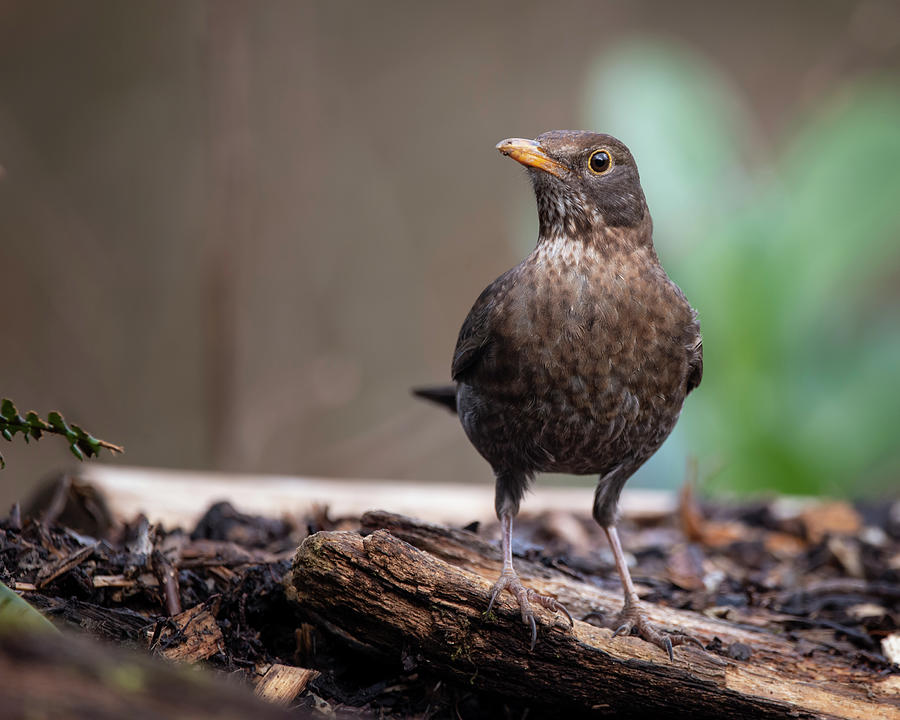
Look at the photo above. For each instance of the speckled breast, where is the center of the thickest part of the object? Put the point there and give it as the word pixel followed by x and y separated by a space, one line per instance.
pixel 589 366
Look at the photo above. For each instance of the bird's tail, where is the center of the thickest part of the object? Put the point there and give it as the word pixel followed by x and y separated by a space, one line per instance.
pixel 441 394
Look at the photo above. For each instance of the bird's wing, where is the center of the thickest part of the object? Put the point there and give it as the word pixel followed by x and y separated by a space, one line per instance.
pixel 695 363
pixel 476 334
pixel 474 338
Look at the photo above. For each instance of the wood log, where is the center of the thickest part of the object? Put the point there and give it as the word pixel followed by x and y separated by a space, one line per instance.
pixel 161 496
pixel 422 589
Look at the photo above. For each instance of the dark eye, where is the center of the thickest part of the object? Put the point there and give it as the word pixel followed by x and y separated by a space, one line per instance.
pixel 600 162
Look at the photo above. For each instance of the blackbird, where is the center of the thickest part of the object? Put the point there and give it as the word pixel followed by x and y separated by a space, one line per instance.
pixel 578 359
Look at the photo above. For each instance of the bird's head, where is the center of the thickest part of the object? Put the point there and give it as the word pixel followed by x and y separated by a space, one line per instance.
pixel 585 183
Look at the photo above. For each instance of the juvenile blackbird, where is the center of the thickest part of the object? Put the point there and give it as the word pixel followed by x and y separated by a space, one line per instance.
pixel 578 359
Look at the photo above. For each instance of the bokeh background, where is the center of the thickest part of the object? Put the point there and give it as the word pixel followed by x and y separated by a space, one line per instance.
pixel 233 234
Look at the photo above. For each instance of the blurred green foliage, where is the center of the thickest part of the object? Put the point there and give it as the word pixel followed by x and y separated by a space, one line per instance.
pixel 789 249
pixel 16 614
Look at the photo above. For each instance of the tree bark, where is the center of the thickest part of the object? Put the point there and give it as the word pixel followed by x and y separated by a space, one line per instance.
pixel 423 589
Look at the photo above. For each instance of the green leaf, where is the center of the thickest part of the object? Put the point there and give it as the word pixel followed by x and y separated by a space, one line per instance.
pixel 86 447
pixel 76 451
pixel 34 421
pixel 16 614
pixel 8 410
pixel 58 422
pixel 7 435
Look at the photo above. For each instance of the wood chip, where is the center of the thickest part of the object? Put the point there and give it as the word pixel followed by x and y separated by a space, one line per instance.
pixel 565 527
pixel 167 576
pixel 783 545
pixel 685 567
pixel 204 553
pixel 846 552
pixel 890 646
pixel 838 518
pixel 698 529
pixel 64 565
pixel 866 610
pixel 223 573
pixel 280 684
pixel 689 514
pixel 121 581
pixel 198 636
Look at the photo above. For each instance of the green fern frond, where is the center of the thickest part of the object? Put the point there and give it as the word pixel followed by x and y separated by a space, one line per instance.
pixel 82 444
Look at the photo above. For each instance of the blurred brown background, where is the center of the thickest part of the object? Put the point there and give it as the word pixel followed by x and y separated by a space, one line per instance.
pixel 235 233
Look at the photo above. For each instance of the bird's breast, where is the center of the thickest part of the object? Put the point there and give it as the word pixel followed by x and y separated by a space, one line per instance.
pixel 594 335
pixel 586 365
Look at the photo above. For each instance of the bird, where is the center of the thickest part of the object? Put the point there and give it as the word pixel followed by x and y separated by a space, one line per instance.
pixel 578 359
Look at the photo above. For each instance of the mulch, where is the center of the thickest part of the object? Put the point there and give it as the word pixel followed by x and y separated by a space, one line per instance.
pixel 827 575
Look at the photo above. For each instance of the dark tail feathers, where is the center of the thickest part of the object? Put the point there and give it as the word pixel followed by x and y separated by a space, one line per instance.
pixel 441 394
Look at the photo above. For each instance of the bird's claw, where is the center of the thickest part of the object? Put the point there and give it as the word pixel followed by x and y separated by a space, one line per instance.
pixel 525 596
pixel 634 621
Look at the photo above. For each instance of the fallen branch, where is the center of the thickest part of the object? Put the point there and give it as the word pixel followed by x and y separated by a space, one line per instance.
pixel 386 595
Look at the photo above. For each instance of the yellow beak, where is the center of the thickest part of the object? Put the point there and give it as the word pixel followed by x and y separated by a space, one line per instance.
pixel 530 154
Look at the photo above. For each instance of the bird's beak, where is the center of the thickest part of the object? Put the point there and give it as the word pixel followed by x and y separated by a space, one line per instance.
pixel 530 154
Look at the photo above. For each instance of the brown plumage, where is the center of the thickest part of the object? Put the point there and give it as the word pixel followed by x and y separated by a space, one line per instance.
pixel 578 359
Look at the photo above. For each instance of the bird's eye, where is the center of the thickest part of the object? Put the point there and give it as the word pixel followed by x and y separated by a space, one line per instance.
pixel 600 162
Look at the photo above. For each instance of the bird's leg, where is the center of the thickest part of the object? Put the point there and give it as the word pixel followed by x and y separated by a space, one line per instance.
pixel 633 618
pixel 509 580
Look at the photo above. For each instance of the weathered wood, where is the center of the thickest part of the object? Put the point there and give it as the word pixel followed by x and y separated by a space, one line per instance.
pixel 159 494
pixel 281 684
pixel 120 624
pixel 49 573
pixel 425 595
pixel 194 636
pixel 167 577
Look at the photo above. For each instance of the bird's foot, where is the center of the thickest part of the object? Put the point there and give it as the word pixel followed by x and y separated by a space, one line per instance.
pixel 509 580
pixel 633 620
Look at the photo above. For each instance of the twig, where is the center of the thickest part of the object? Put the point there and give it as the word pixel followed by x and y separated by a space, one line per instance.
pixel 167 576
pixel 65 565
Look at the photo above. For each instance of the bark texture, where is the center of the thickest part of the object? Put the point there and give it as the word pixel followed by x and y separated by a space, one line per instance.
pixel 421 590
